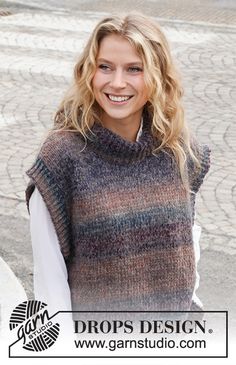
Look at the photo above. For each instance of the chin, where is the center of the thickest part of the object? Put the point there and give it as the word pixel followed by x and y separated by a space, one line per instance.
pixel 117 116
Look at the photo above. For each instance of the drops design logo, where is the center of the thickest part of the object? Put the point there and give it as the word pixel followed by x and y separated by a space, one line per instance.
pixel 34 326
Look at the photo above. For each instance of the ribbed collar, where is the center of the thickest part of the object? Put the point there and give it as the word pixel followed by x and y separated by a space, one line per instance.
pixel 116 148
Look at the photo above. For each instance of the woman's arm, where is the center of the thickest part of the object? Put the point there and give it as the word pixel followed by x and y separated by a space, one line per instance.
pixel 50 272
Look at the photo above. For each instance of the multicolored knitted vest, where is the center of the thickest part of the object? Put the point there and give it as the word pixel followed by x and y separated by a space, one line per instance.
pixel 123 219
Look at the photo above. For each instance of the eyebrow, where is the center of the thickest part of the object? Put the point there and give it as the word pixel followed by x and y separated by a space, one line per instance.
pixel 127 64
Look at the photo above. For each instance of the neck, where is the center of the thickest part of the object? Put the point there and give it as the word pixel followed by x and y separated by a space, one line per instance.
pixel 127 129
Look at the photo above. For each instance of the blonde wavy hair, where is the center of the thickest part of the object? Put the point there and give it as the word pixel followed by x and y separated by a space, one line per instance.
pixel 79 109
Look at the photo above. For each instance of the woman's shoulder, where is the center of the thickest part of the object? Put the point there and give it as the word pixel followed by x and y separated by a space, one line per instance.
pixel 198 168
pixel 60 143
pixel 59 138
pixel 202 153
pixel 200 149
pixel 53 163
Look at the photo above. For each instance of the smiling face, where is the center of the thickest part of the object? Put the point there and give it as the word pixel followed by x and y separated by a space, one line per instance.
pixel 118 83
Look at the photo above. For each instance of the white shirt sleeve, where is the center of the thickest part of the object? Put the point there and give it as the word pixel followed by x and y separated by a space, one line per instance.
pixel 50 272
pixel 196 231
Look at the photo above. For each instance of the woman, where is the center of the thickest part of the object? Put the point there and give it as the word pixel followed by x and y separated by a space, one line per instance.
pixel 115 180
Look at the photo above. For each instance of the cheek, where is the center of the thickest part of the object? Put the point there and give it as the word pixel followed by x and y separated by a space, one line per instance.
pixel 146 91
pixel 99 81
pixel 144 96
pixel 141 87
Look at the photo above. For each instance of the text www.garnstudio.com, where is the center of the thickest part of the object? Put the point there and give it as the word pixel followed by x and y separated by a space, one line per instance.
pixel 163 342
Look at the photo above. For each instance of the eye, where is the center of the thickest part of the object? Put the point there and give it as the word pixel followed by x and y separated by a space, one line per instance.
pixel 135 69
pixel 104 67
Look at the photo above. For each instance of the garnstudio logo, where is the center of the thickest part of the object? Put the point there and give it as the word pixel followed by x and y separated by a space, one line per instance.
pixel 34 325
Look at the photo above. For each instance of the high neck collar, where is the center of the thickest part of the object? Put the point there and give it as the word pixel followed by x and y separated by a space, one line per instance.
pixel 113 147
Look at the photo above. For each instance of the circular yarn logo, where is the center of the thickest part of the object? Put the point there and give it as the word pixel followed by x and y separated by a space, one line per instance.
pixel 34 325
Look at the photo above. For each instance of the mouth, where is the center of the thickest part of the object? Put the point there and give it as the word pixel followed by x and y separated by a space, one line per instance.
pixel 118 99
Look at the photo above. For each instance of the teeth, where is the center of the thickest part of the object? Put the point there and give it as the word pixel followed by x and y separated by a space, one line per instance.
pixel 118 98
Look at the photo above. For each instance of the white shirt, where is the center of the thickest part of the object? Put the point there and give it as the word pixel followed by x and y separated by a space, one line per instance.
pixel 50 272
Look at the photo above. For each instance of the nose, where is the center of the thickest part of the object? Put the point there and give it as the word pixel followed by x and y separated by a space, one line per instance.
pixel 118 80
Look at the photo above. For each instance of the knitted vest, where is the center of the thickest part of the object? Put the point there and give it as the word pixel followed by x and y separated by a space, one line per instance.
pixel 123 218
